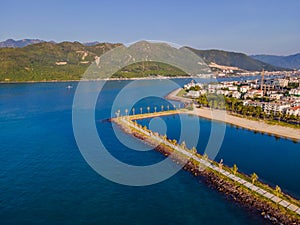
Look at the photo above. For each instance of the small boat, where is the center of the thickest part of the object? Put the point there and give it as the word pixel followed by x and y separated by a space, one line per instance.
pixel 69 86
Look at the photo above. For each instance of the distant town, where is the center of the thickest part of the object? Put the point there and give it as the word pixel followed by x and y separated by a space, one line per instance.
pixel 267 97
pixel 226 71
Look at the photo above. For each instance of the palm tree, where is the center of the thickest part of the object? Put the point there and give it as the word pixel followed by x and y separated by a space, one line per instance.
pixel 271 115
pixel 194 150
pixel 280 116
pixel 233 106
pixel 183 145
pixel 155 108
pixel 174 142
pixel 141 109
pixel 118 113
pixel 254 177
pixel 277 190
pixel 126 111
pixel 162 108
pixel 148 108
pixel 221 164
pixel 234 169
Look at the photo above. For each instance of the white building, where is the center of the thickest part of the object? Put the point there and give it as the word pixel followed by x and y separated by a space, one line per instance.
pixel 295 91
pixel 276 96
pixel 244 89
pixel 232 88
pixel 253 103
pixel 215 86
pixel 236 94
pixel 283 82
pixel 275 107
pixel 294 111
pixel 222 92
pixel 254 93
pixel 193 94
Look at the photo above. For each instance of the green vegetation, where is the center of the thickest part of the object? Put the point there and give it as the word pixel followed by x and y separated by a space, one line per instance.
pixel 47 61
pixel 234 169
pixel 67 61
pixel 234 59
pixel 278 191
pixel 38 62
pixel 148 69
pixel 292 85
pixel 254 177
pixel 181 93
pixel 236 107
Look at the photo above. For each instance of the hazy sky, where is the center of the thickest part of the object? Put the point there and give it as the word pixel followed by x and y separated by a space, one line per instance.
pixel 249 26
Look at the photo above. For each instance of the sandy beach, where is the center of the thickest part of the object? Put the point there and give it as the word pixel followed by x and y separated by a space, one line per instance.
pixel 223 116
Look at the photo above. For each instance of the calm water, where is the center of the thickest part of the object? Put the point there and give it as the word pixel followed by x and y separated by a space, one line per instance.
pixel 44 179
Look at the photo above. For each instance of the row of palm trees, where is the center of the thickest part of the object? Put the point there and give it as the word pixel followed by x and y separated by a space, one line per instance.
pixel 254 178
pixel 236 106
pixel 193 150
pixel 162 107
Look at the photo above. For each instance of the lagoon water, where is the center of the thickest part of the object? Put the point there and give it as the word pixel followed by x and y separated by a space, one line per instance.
pixel 45 180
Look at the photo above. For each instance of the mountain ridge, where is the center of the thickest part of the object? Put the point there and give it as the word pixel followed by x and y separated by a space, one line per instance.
pixel 69 60
pixel 290 61
pixel 234 59
pixel 11 43
pixel 48 61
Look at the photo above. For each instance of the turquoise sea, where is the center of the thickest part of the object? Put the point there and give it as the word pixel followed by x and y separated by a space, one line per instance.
pixel 45 180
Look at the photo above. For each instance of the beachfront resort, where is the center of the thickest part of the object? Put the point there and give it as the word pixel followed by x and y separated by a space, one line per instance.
pixel 274 98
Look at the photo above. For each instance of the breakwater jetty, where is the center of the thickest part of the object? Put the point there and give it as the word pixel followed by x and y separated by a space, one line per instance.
pixel 271 203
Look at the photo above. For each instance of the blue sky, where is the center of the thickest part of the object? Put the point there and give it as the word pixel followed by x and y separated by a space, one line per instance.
pixel 256 26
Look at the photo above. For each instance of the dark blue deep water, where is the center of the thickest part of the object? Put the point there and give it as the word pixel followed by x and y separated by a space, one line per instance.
pixel 45 180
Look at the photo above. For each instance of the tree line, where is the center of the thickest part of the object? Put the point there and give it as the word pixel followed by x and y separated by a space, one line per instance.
pixel 237 106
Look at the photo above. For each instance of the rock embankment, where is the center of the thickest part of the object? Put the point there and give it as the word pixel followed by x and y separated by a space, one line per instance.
pixel 234 191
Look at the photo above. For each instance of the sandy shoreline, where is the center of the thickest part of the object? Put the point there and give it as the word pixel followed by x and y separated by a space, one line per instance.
pixel 223 116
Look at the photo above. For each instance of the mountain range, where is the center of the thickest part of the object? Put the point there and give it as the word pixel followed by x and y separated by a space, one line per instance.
pixel 11 43
pixel 48 61
pixel 233 59
pixel 291 61
pixel 35 60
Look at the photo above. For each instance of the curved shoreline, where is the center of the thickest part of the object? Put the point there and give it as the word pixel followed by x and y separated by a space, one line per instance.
pixel 256 126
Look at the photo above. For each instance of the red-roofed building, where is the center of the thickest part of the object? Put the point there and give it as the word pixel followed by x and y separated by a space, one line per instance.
pixel 294 111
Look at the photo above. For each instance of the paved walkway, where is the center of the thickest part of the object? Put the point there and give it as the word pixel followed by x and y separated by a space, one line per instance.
pixel 202 162
pixel 150 115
